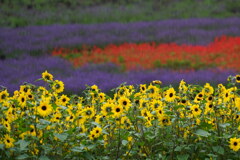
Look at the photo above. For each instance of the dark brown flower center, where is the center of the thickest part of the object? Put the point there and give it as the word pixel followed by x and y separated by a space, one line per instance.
pixel 124 103
pixel 118 110
pixel 171 94
pixel 235 143
pixel 44 108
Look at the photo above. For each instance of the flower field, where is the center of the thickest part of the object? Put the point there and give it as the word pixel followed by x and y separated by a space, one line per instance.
pixel 148 121
pixel 222 53
pixel 120 80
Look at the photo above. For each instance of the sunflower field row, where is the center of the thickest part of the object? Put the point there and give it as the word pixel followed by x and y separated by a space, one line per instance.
pixel 144 122
pixel 222 53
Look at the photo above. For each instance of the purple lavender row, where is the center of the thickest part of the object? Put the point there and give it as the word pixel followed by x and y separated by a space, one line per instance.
pixel 107 76
pixel 199 31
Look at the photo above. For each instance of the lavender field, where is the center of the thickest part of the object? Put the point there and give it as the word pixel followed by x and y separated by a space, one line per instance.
pixel 37 40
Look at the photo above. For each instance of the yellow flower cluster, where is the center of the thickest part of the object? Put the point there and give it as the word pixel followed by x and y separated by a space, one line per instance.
pixel 34 111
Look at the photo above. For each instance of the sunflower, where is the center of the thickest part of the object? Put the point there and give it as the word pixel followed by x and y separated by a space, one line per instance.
pixel 24 88
pixel 164 121
pixel 237 78
pixel 89 112
pixel 156 104
pixel 102 97
pixel 152 91
pixel 107 109
pixel 47 76
pixel 182 87
pixel 3 95
pixel 143 88
pixel 99 119
pixel 125 102
pixel 208 89
pixel 63 100
pixel 157 82
pixel 22 100
pixel 170 95
pixel 209 108
pixel 8 141
pixel 44 109
pixel 92 135
pixel 196 111
pixel 234 144
pixel 237 103
pixel 97 131
pixel 199 97
pixel 125 121
pixel 94 88
pixel 7 125
pixel 118 110
pixel 58 86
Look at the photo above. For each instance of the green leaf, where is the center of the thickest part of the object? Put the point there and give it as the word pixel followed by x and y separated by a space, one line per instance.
pixel 44 158
pixel 62 137
pixel 23 144
pixel 182 157
pixel 23 156
pixel 1 146
pixel 77 149
pixel 218 149
pixel 203 133
pixel 178 148
pixel 224 125
pixel 124 142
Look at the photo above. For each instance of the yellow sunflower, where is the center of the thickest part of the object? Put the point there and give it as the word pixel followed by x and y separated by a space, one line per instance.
pixel 22 100
pixel 63 100
pixel 170 95
pixel 8 141
pixel 196 111
pixel 44 109
pixel 107 109
pixel 94 88
pixel 97 131
pixel 117 111
pixel 234 144
pixel 125 102
pixel 208 89
pixel 58 86
pixel 237 78
pixel 89 112
pixel 47 76
pixel 143 88
pixel 3 95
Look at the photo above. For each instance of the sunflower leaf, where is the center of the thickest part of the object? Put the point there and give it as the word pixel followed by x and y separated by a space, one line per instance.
pixel 62 137
pixel 203 133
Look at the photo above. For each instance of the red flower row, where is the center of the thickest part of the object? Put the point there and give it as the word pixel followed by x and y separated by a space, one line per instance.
pixel 224 52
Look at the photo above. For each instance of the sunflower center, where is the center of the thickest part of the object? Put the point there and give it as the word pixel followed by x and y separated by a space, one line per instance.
pixel 8 141
pixel 23 99
pixel 171 94
pixel 235 143
pixel 200 95
pixel 160 111
pixel 183 101
pixel 97 131
pixel 89 112
pixel 124 103
pixel 156 105
pixel 226 95
pixel 31 130
pixel 118 110
pixel 210 98
pixel 137 101
pixel 57 86
pixel 210 106
pixel 108 109
pixel 143 88
pixel 30 96
pixel 71 117
pixel 196 109
pixel 3 96
pixel 47 77
pixel 64 100
pixel 44 108
pixel 238 78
